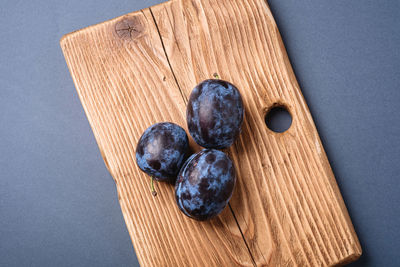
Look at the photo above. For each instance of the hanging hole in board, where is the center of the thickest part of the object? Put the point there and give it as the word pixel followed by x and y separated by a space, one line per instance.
pixel 278 119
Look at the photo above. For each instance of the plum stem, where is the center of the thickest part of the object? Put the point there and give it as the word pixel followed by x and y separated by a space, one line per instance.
pixel 216 76
pixel 153 191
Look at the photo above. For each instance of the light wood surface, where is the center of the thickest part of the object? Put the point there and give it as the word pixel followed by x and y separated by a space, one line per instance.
pixel 139 69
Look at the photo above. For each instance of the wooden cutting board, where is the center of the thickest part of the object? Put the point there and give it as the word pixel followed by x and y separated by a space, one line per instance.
pixel 139 69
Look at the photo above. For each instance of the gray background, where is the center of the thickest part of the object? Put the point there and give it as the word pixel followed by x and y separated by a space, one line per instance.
pixel 346 55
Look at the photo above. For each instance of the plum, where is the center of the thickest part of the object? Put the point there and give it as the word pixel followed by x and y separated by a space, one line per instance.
pixel 215 114
pixel 162 150
pixel 205 184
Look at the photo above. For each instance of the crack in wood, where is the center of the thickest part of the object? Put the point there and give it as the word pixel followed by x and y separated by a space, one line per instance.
pixel 186 100
pixel 241 232
pixel 166 55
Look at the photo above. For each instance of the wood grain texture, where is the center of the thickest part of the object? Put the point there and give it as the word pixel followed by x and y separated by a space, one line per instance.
pixel 139 69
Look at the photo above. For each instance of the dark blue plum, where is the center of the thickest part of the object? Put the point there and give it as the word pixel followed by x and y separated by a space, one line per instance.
pixel 162 150
pixel 215 114
pixel 205 184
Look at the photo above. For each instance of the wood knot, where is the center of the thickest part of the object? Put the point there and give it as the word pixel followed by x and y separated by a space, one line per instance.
pixel 129 28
